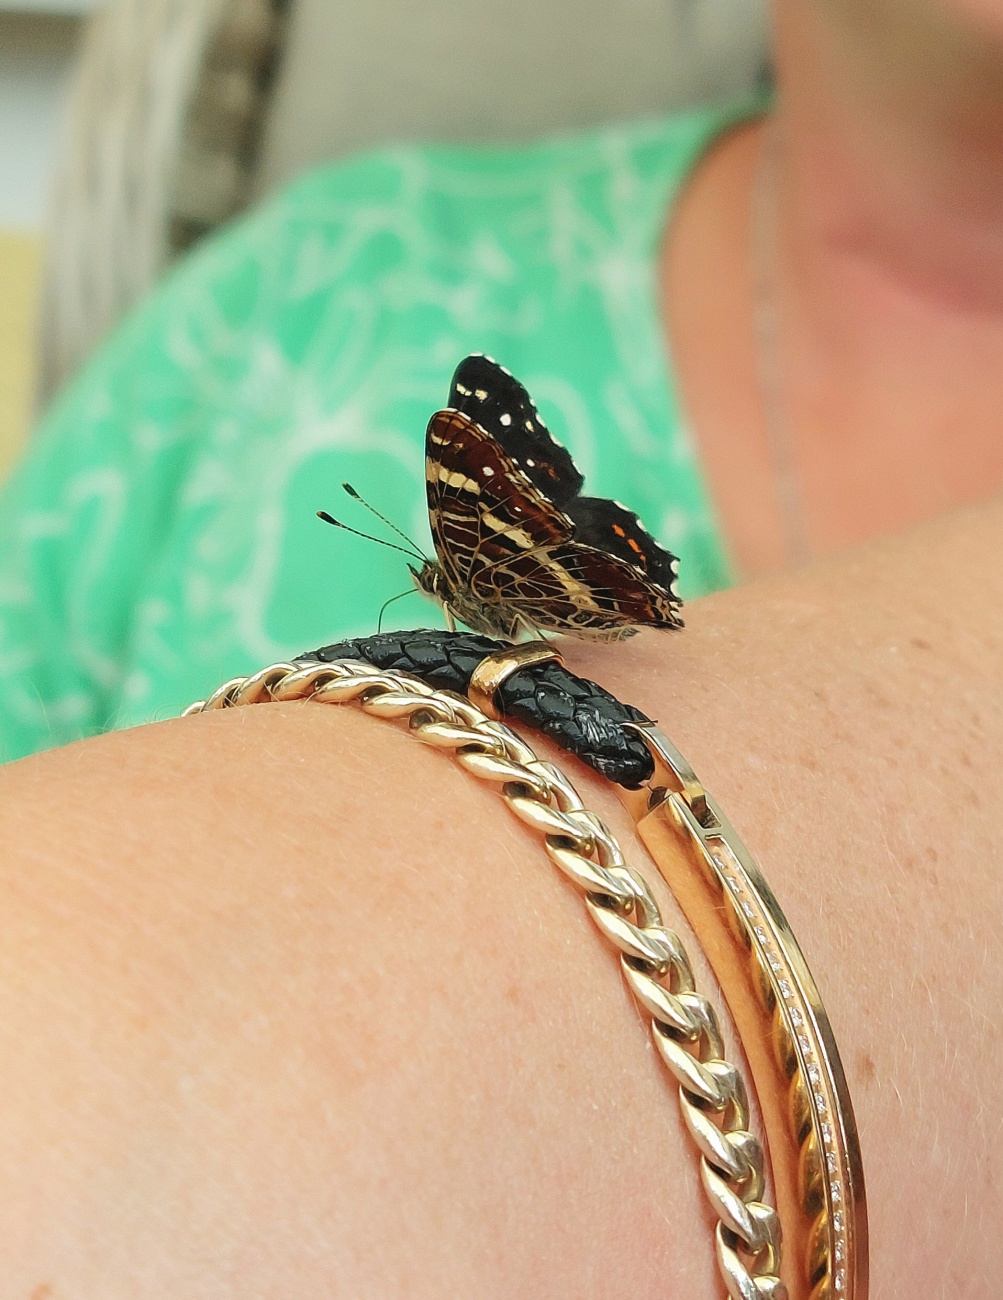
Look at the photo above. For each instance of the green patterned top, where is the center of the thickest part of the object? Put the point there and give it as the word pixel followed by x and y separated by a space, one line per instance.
pixel 161 535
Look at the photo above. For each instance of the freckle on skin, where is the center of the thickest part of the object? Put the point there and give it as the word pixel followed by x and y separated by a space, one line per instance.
pixel 920 643
pixel 868 1070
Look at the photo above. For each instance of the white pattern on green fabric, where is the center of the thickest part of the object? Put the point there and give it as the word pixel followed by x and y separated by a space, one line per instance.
pixel 161 535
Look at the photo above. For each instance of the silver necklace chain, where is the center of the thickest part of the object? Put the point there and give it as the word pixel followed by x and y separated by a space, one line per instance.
pixel 787 483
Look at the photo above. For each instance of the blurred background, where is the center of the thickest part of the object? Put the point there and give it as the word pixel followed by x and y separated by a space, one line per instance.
pixel 38 43
pixel 130 129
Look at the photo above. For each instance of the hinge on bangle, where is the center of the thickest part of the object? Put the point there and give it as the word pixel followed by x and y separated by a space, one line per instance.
pixel 672 774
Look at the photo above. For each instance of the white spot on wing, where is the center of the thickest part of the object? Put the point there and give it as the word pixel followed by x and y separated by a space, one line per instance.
pixel 506 419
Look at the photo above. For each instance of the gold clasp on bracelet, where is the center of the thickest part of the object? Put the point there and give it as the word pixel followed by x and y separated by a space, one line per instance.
pixel 495 669
pixel 673 774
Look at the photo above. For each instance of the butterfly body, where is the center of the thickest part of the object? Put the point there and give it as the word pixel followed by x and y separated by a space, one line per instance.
pixel 517 547
pixel 461 605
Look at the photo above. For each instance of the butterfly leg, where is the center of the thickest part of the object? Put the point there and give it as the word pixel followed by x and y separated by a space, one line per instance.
pixel 536 633
pixel 450 619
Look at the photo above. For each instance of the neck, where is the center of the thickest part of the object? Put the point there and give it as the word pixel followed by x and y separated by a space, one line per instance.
pixel 892 128
pixel 863 350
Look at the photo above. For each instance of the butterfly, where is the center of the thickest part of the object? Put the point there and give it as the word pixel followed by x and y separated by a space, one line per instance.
pixel 518 548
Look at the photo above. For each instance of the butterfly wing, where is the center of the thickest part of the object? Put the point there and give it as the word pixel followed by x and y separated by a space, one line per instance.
pixel 610 527
pixel 511 530
pixel 580 590
pixel 482 509
pixel 493 398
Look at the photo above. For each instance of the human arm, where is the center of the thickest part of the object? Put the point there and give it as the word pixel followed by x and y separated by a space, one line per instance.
pixel 291 1006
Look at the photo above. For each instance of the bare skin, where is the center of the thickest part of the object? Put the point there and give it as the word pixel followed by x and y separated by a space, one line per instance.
pixel 290 1006
pixel 888 278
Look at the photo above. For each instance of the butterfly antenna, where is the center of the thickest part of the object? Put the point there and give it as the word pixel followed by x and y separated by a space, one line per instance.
pixel 412 591
pixel 336 523
pixel 372 510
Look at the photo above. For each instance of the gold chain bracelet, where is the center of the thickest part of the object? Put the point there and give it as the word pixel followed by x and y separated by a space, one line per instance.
pixel 685 1027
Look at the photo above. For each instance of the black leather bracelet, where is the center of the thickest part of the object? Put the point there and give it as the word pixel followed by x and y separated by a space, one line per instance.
pixel 576 714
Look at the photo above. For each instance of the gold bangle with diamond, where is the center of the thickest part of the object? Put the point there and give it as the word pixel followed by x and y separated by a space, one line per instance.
pixel 785 1031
